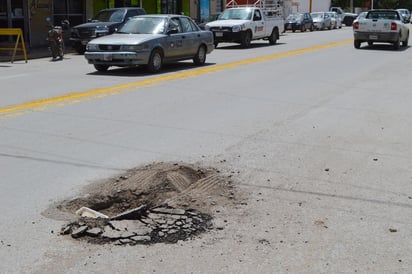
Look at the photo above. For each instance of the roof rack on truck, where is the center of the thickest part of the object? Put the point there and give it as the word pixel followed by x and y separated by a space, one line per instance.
pixel 271 8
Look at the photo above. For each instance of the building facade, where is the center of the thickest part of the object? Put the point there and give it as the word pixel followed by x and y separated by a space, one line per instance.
pixel 30 15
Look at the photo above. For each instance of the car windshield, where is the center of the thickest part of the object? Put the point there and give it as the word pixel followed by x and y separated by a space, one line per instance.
pixel 294 17
pixel 237 14
pixel 109 16
pixel 317 15
pixel 144 25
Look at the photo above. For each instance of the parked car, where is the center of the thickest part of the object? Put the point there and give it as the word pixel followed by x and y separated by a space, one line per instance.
pixel 405 14
pixel 103 23
pixel 299 21
pixel 212 17
pixel 346 17
pixel 336 20
pixel 151 41
pixel 321 20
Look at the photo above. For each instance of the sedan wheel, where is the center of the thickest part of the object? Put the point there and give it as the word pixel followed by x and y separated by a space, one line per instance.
pixel 155 61
pixel 101 67
pixel 200 57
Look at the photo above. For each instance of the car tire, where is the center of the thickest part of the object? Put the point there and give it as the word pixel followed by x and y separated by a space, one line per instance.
pixel 303 28
pixel 312 28
pixel 246 39
pixel 101 68
pixel 405 42
pixel 356 44
pixel 200 57
pixel 155 61
pixel 397 44
pixel 273 37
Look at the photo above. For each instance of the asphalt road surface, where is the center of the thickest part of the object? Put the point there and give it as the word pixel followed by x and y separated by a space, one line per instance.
pixel 315 134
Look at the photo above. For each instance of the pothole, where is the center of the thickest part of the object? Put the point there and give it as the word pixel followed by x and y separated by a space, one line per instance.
pixel 160 202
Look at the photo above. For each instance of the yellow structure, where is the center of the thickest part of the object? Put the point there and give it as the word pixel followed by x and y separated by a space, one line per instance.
pixel 19 40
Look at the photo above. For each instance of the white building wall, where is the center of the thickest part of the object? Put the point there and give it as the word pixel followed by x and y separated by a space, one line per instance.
pixel 317 5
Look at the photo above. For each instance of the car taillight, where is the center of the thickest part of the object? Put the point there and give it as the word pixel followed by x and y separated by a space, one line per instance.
pixel 356 25
pixel 393 26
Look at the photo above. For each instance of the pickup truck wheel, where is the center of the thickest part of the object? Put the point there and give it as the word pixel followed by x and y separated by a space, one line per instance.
pixel 356 44
pixel 155 61
pixel 200 57
pixel 101 67
pixel 405 43
pixel 246 39
pixel 273 37
pixel 397 44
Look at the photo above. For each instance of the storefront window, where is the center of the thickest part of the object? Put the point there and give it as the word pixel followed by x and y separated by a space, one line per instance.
pixel 12 15
pixel 71 10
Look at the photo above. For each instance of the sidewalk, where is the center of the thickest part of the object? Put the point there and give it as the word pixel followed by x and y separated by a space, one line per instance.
pixel 32 53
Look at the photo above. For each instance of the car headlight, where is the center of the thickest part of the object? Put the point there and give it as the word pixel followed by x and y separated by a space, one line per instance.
pixel 101 31
pixel 134 47
pixel 236 28
pixel 91 47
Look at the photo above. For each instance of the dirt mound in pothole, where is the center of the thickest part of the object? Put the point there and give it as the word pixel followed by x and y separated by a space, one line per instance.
pixel 169 202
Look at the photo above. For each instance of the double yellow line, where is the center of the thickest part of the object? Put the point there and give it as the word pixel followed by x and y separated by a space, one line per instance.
pixel 77 97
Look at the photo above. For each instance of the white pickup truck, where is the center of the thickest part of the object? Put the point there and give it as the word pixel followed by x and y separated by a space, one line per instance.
pixel 244 24
pixel 382 25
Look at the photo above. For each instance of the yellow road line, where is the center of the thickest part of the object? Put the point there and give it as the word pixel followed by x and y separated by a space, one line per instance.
pixel 77 97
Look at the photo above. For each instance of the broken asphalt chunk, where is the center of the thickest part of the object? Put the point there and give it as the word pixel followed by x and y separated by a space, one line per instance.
pixel 164 210
pixel 90 213
pixel 79 232
pixel 134 213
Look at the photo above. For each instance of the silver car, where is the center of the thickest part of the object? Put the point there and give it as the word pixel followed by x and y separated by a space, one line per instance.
pixel 151 40
pixel 335 19
pixel 321 20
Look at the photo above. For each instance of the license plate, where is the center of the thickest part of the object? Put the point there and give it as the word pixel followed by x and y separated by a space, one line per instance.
pixel 107 57
pixel 219 34
pixel 373 37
